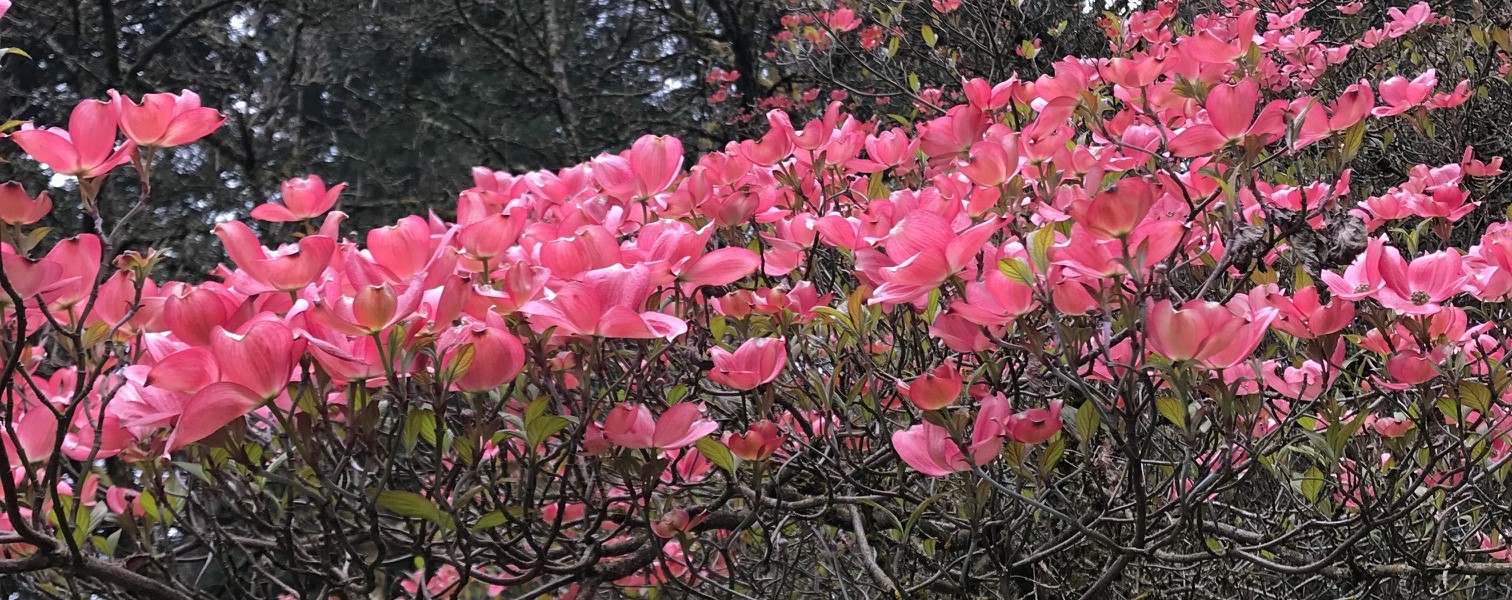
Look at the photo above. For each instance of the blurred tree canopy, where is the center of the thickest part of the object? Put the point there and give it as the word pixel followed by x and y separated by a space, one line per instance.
pixel 399 99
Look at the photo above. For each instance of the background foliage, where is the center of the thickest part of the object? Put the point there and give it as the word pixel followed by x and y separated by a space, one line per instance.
pixel 1166 478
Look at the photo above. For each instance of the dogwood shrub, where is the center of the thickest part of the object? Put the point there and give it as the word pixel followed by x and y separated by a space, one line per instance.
pixel 1127 327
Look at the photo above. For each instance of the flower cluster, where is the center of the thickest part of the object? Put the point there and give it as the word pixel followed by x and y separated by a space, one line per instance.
pixel 1101 261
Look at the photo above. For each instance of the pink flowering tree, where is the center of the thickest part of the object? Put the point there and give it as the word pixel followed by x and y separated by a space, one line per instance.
pixel 1127 327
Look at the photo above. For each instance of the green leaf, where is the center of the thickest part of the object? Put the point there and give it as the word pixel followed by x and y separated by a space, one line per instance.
pixel 537 408
pixel 1172 409
pixel 876 187
pixel 929 35
pixel 1354 138
pixel 488 521
pixel 1027 48
pixel 465 447
pixel 1088 419
pixel 1339 434
pixel 677 393
pixel 1475 395
pixel 421 423
pixel 459 362
pixel 1053 453
pixel 86 519
pixel 35 237
pixel 1039 247
pixel 717 327
pixel 539 425
pixel 1301 278
pixel 919 513
pixel 198 471
pixel 150 506
pixel 1450 408
pixel 1016 270
pixel 717 453
pixel 836 317
pixel 1312 484
pixel 896 524
pixel 410 504
pixel 107 544
pixel 1503 38
pixel 1015 452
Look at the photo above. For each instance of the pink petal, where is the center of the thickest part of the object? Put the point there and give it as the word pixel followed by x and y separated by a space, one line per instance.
pixel 92 127
pixel 260 359
pixel 921 447
pixel 48 148
pixel 193 125
pixel 186 371
pixel 1197 140
pixel 721 267
pixel 210 410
